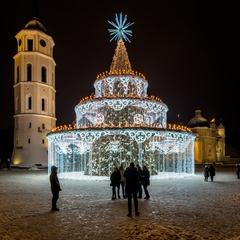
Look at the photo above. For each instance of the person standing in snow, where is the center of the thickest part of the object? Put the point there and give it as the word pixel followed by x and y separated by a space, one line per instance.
pixel 145 181
pixel 122 180
pixel 8 163
pixel 139 181
pixel 132 178
pixel 115 182
pixel 55 187
pixel 206 173
pixel 211 170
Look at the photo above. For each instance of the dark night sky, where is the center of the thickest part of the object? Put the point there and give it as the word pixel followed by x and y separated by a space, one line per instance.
pixel 179 45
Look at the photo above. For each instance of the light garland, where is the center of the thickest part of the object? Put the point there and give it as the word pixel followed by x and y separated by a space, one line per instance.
pixel 96 151
pixel 121 86
pixel 92 97
pixel 170 127
pixel 120 73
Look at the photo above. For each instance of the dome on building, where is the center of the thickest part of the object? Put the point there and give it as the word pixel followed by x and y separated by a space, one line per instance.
pixel 198 120
pixel 35 24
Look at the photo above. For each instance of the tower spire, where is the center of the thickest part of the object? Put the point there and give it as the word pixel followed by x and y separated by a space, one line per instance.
pixel 120 59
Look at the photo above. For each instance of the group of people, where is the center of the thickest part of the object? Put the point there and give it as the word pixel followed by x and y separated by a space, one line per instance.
pixel 118 181
pixel 209 171
pixel 131 181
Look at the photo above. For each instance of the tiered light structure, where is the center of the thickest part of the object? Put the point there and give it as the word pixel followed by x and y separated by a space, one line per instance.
pixel 121 124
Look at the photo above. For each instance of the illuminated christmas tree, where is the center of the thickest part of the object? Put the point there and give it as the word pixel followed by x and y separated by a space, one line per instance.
pixel 121 124
pixel 120 60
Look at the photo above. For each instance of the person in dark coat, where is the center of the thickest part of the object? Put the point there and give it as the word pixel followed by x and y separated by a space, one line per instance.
pixel 211 170
pixel 122 180
pixel 206 173
pixel 146 181
pixel 115 182
pixel 238 170
pixel 55 187
pixel 8 163
pixel 132 178
pixel 139 181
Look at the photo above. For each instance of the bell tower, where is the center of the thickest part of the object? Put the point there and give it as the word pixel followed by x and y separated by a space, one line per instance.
pixel 34 94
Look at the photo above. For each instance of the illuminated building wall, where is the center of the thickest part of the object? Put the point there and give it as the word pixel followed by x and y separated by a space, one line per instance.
pixel 34 95
pixel 210 139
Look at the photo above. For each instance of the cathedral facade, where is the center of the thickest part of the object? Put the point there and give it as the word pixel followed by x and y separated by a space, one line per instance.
pixel 209 143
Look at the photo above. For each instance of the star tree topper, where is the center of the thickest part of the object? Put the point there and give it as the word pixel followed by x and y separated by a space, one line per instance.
pixel 120 28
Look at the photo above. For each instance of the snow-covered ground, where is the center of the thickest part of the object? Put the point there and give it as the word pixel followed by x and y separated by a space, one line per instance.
pixel 185 208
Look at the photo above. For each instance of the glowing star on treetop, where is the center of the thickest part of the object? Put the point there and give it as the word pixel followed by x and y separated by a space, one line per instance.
pixel 120 28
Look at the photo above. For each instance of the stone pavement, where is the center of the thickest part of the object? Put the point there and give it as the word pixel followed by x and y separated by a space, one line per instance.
pixel 185 208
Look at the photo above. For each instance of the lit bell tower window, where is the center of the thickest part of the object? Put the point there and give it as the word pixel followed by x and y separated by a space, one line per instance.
pixel 29 72
pixel 44 74
pixel 43 104
pixel 29 103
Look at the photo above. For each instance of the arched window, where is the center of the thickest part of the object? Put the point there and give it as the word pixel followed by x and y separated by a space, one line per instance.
pixel 29 72
pixel 29 103
pixel 30 125
pixel 44 74
pixel 43 104
pixel 43 126
pixel 29 140
pixel 30 44
pixel 18 74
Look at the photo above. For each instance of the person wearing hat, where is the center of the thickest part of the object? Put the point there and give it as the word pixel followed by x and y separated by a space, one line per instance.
pixel 55 187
